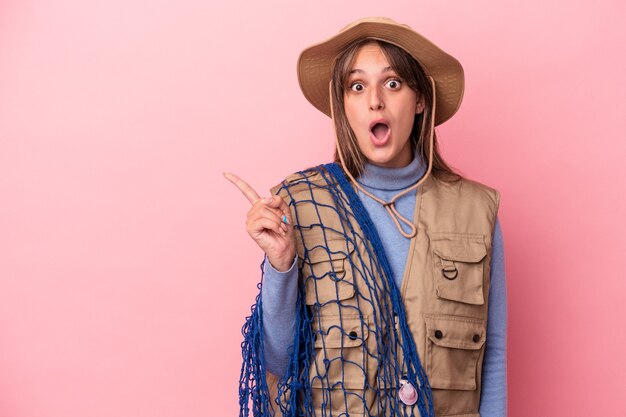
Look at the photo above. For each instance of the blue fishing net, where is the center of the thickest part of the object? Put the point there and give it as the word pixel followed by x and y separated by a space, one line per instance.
pixel 352 351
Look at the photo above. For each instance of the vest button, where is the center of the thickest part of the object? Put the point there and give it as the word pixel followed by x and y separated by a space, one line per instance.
pixel 438 334
pixel 352 335
pixel 476 338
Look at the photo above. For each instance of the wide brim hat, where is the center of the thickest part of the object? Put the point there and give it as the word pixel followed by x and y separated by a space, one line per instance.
pixel 315 64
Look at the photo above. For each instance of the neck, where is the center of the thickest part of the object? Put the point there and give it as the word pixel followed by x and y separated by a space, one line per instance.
pixel 392 179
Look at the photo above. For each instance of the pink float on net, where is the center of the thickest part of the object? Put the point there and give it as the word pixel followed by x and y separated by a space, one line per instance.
pixel 407 393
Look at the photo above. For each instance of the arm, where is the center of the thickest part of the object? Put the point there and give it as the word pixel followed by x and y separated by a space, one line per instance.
pixel 279 292
pixel 270 224
pixel 493 400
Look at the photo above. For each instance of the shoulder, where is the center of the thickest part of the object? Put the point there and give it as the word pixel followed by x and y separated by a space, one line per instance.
pixel 308 180
pixel 482 189
pixel 468 189
pixel 312 196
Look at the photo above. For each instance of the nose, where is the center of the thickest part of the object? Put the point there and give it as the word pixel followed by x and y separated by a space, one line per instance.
pixel 376 100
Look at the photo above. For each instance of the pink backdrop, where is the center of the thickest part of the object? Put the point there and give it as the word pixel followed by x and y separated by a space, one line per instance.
pixel 125 268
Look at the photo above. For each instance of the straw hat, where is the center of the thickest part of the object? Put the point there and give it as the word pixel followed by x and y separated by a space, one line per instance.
pixel 316 62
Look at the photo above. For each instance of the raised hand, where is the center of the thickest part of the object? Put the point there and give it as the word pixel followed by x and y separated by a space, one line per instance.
pixel 270 225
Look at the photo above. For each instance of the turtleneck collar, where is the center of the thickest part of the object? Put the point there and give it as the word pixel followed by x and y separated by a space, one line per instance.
pixel 392 179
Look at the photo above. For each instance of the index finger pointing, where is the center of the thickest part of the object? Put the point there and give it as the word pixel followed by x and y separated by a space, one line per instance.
pixel 243 186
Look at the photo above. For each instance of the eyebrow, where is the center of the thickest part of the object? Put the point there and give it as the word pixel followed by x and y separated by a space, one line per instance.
pixel 360 71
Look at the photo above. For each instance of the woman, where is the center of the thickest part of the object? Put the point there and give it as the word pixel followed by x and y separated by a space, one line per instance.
pixel 384 270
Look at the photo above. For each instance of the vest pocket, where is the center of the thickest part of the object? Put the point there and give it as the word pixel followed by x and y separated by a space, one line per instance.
pixel 327 273
pixel 338 373
pixel 458 266
pixel 454 345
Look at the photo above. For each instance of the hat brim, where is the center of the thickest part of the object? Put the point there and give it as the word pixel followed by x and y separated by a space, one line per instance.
pixel 315 63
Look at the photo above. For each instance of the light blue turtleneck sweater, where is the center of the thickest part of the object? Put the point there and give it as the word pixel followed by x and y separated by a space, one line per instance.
pixel 279 289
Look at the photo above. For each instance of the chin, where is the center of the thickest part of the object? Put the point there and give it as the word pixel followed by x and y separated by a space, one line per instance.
pixel 381 159
pixel 386 162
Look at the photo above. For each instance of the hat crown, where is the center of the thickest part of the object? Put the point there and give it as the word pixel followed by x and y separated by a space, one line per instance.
pixel 375 19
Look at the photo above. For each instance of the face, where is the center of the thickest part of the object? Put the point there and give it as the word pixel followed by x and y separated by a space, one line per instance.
pixel 380 109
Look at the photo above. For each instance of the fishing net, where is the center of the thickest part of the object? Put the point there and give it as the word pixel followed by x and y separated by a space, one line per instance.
pixel 352 351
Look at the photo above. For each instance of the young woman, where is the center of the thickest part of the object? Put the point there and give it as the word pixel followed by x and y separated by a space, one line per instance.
pixel 383 291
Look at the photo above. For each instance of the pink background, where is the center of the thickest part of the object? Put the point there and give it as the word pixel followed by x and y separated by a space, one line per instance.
pixel 125 268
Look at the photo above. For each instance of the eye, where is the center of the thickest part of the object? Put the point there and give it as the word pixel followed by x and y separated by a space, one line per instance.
pixel 394 84
pixel 357 86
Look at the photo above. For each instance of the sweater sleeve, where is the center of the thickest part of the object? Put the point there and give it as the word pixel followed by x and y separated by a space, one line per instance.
pixel 279 293
pixel 493 400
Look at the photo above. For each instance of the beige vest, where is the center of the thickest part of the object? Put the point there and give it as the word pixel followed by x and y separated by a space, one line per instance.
pixel 445 290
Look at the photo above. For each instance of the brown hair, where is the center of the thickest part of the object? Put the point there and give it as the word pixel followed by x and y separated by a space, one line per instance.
pixel 412 73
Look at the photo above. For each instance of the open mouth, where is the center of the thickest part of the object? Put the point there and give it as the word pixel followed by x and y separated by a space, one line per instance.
pixel 380 130
pixel 379 133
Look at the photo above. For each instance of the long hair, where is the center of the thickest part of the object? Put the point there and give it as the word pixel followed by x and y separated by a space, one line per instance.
pixel 412 73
